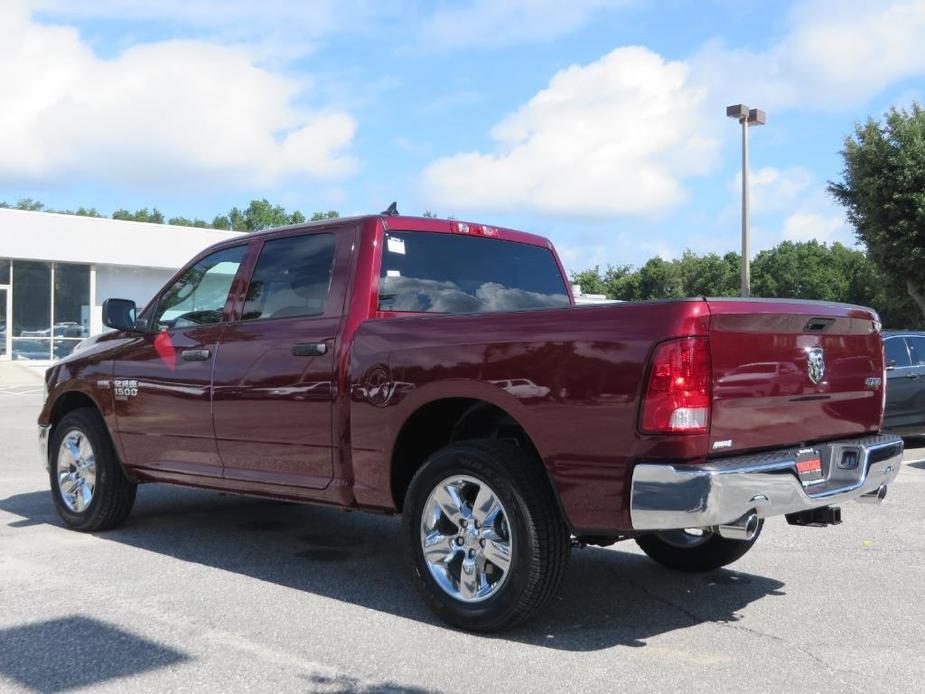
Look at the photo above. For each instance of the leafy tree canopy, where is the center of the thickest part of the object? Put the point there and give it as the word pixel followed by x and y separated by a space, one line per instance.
pixel 259 214
pixel 808 270
pixel 883 191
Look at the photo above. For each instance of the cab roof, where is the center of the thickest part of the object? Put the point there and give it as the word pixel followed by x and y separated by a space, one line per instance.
pixel 412 223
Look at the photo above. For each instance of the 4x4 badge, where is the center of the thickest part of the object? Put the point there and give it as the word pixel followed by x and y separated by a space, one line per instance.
pixel 815 364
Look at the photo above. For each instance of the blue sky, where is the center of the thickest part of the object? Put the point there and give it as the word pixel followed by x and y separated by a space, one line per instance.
pixel 599 123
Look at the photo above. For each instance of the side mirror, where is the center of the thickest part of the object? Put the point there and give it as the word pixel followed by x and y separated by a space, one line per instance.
pixel 891 365
pixel 120 314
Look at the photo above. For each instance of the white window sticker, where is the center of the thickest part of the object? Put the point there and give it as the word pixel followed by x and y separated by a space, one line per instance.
pixel 395 245
pixel 393 273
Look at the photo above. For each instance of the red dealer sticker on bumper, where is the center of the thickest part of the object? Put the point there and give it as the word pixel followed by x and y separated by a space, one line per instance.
pixel 809 466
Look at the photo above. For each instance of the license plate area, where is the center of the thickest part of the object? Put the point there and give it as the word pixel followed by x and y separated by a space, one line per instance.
pixel 809 467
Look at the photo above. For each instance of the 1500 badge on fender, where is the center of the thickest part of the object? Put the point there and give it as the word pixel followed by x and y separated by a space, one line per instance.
pixel 125 389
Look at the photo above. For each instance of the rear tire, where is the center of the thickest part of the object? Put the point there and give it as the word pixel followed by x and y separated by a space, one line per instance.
pixel 682 551
pixel 504 512
pixel 89 488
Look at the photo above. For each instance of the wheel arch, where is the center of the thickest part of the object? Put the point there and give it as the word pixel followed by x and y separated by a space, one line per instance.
pixel 439 422
pixel 75 399
pixel 68 402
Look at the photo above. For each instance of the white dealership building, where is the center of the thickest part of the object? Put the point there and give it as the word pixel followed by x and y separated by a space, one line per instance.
pixel 56 270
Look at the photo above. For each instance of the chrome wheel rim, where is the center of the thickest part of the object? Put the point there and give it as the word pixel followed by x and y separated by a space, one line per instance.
pixel 76 471
pixel 685 538
pixel 466 539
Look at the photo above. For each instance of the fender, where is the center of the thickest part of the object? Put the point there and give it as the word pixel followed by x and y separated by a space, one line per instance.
pixel 469 389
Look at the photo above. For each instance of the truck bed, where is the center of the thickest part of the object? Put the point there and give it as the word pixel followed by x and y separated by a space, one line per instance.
pixel 573 378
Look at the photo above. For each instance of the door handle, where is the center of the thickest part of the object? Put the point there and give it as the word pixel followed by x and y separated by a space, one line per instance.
pixel 309 349
pixel 195 354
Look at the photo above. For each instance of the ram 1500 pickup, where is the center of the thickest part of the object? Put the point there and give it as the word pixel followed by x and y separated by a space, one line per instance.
pixel 439 369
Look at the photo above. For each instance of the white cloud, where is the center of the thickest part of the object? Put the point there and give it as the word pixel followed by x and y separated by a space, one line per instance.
pixel 612 137
pixel 807 226
pixel 771 188
pixel 170 113
pixel 620 136
pixel 508 22
pixel 837 54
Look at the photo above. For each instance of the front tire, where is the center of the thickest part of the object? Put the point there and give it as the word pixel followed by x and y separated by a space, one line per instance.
pixel 695 552
pixel 487 544
pixel 89 488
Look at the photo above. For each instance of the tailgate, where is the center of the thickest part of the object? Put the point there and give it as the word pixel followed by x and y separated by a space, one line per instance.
pixel 787 373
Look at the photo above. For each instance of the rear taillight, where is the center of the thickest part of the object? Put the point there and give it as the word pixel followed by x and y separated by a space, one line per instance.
pixel 677 395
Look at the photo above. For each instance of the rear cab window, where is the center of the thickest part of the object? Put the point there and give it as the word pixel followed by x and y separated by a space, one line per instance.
pixel 433 272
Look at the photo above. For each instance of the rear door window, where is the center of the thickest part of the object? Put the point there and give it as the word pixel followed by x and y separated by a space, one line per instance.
pixel 452 273
pixel 292 278
pixel 916 349
pixel 896 353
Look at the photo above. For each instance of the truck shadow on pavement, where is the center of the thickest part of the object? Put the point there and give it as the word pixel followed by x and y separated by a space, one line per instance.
pixel 72 652
pixel 609 596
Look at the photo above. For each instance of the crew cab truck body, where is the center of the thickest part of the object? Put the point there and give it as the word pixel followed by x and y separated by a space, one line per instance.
pixel 439 369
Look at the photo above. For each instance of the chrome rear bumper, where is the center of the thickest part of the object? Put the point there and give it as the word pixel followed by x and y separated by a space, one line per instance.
pixel 717 492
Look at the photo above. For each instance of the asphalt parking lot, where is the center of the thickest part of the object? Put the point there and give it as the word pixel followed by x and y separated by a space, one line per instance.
pixel 205 592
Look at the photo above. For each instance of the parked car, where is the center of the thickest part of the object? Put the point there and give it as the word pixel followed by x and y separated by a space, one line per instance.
pixel 440 370
pixel 904 352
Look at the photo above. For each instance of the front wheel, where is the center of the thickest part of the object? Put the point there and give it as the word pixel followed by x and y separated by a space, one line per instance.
pixel 694 550
pixel 90 490
pixel 487 542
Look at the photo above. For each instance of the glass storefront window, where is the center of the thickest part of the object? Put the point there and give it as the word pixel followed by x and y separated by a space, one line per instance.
pixel 72 307
pixel 50 308
pixel 3 332
pixel 31 310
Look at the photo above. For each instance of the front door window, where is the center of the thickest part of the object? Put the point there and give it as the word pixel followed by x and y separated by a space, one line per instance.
pixel 198 297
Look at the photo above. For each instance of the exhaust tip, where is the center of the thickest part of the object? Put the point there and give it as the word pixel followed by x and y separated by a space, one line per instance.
pixel 874 497
pixel 743 529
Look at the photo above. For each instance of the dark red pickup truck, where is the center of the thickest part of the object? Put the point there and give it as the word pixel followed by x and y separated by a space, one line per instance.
pixel 439 369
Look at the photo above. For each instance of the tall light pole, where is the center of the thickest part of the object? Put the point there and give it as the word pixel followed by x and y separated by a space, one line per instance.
pixel 746 117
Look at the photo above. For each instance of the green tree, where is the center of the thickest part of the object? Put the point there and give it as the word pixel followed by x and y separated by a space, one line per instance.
pixel 590 280
pixel 660 279
pixel 883 190
pixel 28 204
pixel 320 216
pixel 31 205
pixel 187 222
pixel 154 216
pixel 621 282
pixel 799 271
pixel 709 275
pixel 261 214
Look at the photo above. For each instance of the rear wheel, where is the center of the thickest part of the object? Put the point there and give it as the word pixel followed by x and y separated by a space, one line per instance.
pixel 487 543
pixel 694 550
pixel 88 486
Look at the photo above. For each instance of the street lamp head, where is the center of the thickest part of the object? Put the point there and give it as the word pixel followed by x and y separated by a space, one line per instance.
pixel 756 117
pixel 739 111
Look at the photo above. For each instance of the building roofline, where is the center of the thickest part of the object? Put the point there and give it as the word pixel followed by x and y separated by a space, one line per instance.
pixel 126 222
